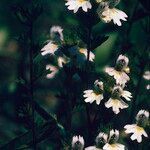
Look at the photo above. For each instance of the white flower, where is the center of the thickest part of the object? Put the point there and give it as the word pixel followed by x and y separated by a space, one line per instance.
pixel 50 48
pixel 142 113
pixel 120 70
pixel 146 75
pixel 113 138
pixel 114 134
pixel 116 105
pixel 92 148
pixel 53 70
pixel 115 146
pixel 84 52
pixel 99 84
pixel 91 96
pixel 78 142
pixel 120 76
pixel 112 14
pixel 137 132
pixel 76 4
pixel 122 93
pixel 123 58
pixel 103 136
pixel 56 30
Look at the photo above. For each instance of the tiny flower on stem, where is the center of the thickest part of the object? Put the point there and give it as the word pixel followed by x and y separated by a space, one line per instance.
pixel 77 143
pixel 56 33
pixel 119 72
pixel 100 141
pixel 137 130
pixel 49 48
pixel 94 95
pixel 76 4
pixel 116 102
pixel 108 13
pixel 112 142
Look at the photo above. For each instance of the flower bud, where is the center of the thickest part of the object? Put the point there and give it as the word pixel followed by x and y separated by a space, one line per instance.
pixel 98 86
pixel 142 117
pixel 113 136
pixel 77 143
pixel 101 140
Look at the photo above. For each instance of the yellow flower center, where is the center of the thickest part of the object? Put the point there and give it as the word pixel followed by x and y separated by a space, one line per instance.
pixel 115 102
pixel 113 145
pixel 54 46
pixel 82 50
pixel 127 70
pixel 81 1
pixel 139 129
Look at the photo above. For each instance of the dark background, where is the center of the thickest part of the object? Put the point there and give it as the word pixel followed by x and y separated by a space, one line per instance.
pixel 132 39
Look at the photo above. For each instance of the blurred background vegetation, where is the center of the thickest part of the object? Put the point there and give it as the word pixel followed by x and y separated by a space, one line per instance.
pixel 132 39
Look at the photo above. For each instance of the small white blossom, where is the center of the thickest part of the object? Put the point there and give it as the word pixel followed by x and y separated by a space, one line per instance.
pixel 94 95
pixel 120 76
pixel 53 70
pixel 116 105
pixel 112 141
pixel 78 142
pixel 146 75
pixel 142 113
pixel 119 72
pixel 103 136
pixel 84 52
pixel 49 48
pixel 76 4
pixel 116 102
pixel 56 30
pixel 124 58
pixel 91 96
pixel 111 14
pixel 136 131
pixel 113 134
pixel 122 93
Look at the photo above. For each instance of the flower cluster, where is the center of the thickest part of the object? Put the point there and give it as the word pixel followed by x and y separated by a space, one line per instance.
pixel 106 9
pixel 117 92
pixel 109 141
pixel 114 94
pixel 52 48
pixel 103 142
